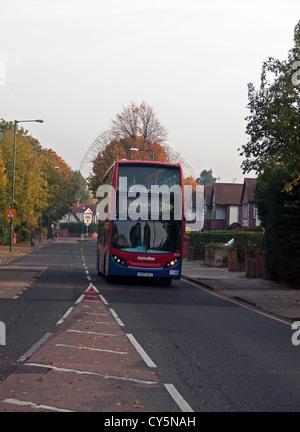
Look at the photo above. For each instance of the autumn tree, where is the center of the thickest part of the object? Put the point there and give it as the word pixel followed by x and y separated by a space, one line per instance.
pixel 61 186
pixel 44 184
pixel 135 134
pixel 29 196
pixel 139 121
pixel 117 150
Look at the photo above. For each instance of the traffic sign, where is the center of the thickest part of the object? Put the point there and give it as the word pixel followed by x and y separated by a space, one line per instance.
pixel 10 213
pixel 88 216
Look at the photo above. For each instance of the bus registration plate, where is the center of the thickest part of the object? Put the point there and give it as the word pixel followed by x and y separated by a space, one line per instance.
pixel 144 274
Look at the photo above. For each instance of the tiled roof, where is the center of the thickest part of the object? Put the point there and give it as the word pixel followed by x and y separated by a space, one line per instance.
pixel 248 192
pixel 227 193
pixel 81 208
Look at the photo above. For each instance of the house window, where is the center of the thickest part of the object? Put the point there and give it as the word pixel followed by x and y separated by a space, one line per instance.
pixel 245 211
pixel 245 221
pixel 219 212
pixel 208 213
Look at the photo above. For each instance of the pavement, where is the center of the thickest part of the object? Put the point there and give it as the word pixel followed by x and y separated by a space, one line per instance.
pixel 266 295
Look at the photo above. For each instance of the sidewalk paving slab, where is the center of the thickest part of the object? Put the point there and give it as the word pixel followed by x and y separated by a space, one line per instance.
pixel 266 295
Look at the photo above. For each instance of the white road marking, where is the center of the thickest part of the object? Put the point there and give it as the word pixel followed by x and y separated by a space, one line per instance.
pixel 34 347
pixel 79 372
pixel 65 316
pixel 33 405
pixel 96 322
pixel 116 317
pixel 140 350
pixel 183 405
pixel 93 313
pixel 91 349
pixel 103 300
pixel 79 299
pixel 95 333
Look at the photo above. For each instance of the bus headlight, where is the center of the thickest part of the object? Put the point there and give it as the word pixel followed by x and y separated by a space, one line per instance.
pixel 171 263
pixel 119 260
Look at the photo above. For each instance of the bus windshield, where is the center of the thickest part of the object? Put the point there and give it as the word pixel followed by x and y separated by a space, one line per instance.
pixel 157 237
pixel 148 175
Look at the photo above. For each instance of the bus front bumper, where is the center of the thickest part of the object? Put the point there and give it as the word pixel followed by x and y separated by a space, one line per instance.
pixel 116 269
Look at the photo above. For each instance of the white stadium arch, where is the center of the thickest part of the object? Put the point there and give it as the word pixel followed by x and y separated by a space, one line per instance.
pixel 99 144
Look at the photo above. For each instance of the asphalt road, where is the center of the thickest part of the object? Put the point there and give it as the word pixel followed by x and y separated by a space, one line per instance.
pixel 218 355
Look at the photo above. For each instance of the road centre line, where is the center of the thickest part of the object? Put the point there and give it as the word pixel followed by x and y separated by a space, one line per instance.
pixel 91 349
pixel 140 350
pixel 33 405
pixel 79 372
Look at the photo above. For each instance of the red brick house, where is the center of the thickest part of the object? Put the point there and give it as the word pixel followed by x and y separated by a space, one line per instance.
pixel 249 212
pixel 230 206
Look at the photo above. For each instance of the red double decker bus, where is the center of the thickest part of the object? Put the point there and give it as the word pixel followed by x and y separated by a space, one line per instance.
pixel 140 233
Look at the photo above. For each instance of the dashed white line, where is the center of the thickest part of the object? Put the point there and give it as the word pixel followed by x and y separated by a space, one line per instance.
pixel 80 298
pixel 34 348
pixel 140 350
pixel 65 316
pixel 121 324
pixel 103 300
pixel 183 405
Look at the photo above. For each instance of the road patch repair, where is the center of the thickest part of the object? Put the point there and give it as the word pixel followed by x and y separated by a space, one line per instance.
pixel 88 364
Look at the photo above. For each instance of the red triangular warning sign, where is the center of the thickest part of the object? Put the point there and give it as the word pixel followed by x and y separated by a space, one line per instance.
pixel 10 213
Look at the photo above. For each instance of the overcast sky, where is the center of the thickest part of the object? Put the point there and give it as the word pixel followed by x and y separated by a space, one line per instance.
pixel 76 64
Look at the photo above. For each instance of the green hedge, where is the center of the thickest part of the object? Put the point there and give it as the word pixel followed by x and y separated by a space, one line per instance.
pixel 78 227
pixel 243 240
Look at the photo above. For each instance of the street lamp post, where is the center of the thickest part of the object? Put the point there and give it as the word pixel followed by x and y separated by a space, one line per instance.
pixel 13 173
pixel 150 150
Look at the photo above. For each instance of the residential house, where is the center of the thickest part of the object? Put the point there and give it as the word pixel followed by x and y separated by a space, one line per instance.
pixel 230 206
pixel 250 217
pixel 77 213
